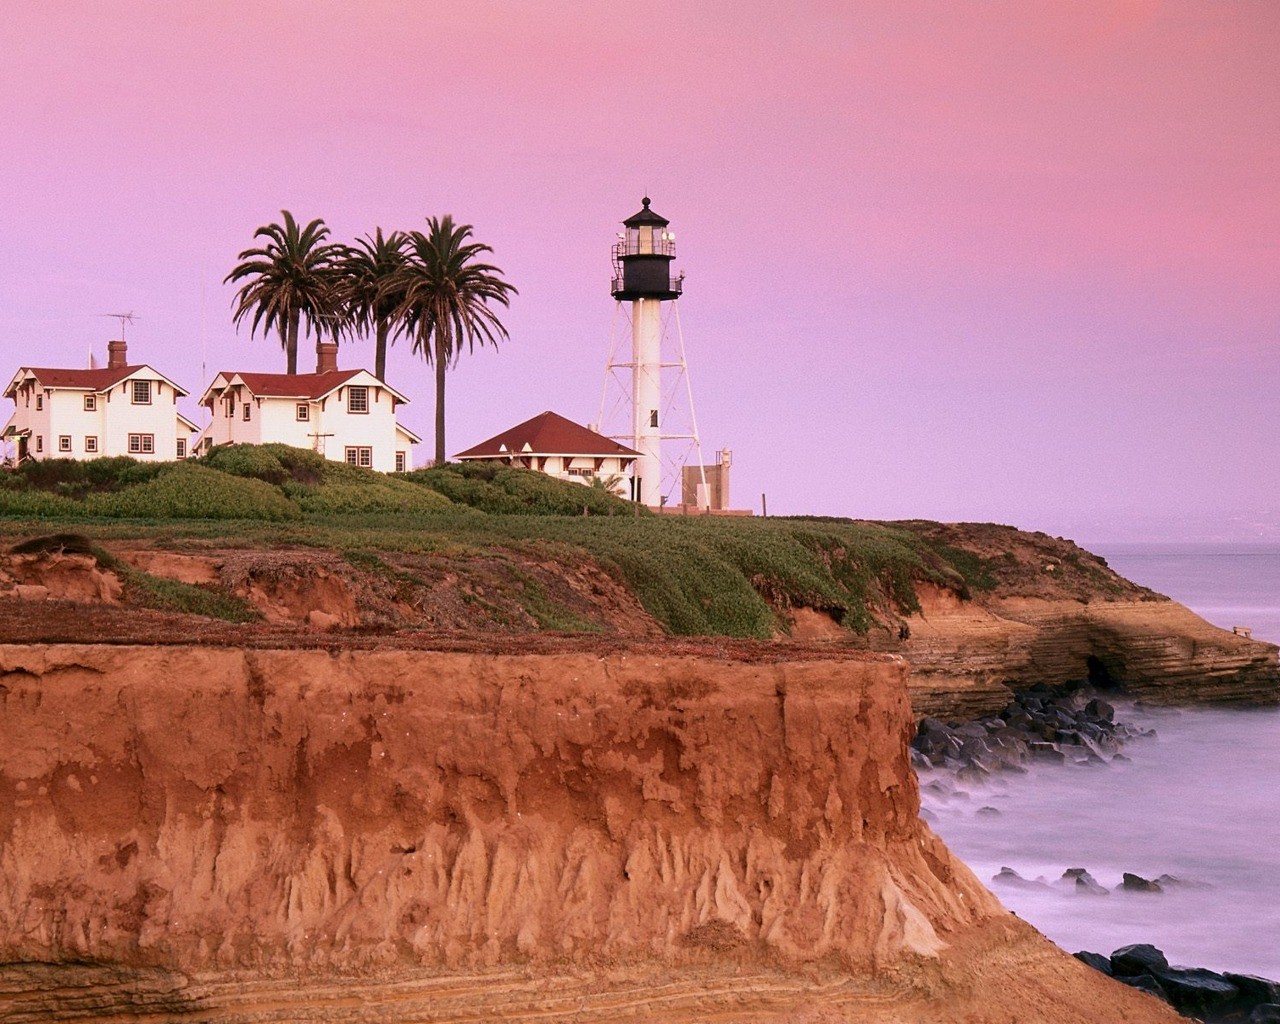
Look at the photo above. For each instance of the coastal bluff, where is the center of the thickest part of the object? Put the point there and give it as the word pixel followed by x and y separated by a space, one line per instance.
pixel 236 835
pixel 1046 611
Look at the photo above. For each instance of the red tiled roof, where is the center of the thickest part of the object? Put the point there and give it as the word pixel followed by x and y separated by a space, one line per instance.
pixel 94 380
pixel 293 385
pixel 547 434
pixel 101 379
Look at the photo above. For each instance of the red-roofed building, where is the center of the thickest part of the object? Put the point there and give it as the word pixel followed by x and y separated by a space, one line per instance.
pixel 121 409
pixel 345 415
pixel 551 444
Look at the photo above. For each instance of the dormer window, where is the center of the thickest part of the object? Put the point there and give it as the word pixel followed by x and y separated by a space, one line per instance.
pixel 357 399
pixel 90 403
pixel 142 392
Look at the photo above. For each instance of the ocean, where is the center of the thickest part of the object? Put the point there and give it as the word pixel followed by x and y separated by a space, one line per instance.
pixel 1199 801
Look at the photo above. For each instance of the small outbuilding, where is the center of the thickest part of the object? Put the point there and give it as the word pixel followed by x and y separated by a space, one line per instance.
pixel 551 444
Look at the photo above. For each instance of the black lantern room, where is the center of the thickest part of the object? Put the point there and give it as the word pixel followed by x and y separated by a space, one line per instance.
pixel 642 259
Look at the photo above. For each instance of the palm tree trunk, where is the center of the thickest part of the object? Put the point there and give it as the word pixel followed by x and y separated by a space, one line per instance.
pixel 291 346
pixel 440 368
pixel 380 357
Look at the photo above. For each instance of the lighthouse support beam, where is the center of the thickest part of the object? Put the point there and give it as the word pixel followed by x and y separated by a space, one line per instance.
pixel 646 391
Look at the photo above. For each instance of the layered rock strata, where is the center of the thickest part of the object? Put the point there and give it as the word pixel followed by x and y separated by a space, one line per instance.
pixel 236 835
pixel 967 656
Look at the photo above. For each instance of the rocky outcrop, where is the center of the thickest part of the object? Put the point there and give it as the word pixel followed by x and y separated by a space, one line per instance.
pixel 968 655
pixel 239 835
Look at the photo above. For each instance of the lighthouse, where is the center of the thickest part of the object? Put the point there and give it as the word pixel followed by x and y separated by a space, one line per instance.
pixel 642 276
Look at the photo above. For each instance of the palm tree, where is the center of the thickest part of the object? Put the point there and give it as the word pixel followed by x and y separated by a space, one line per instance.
pixel 444 300
pixel 368 288
pixel 288 280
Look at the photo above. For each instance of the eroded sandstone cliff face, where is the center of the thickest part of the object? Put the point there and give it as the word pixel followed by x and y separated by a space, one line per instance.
pixel 239 835
pixel 967 655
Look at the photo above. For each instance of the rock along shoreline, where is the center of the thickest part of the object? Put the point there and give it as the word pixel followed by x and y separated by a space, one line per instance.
pixel 1075 724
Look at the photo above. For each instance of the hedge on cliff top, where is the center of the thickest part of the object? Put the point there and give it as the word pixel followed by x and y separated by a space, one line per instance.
pixel 189 491
pixel 506 490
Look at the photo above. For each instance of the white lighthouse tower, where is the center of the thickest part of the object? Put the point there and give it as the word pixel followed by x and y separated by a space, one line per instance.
pixel 642 278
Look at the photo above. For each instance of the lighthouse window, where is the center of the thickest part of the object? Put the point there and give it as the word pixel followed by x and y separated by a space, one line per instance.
pixel 646 239
pixel 653 417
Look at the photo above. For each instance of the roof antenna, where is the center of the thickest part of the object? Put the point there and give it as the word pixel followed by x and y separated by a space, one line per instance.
pixel 124 318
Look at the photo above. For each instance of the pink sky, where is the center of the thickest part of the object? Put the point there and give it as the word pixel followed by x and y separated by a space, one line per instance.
pixel 1007 260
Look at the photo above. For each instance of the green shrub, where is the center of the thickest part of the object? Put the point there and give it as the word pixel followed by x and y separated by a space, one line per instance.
pixel 496 488
pixel 356 497
pixel 191 491
pixel 247 460
pixel 271 463
pixel 350 490
pixel 37 504
pixel 82 476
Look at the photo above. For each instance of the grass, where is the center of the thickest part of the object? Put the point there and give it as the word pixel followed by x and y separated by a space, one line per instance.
pixel 694 575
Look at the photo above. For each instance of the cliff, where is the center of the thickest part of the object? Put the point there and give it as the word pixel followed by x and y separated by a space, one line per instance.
pixel 219 834
pixel 967 656
pixel 1038 609
pixel 988 610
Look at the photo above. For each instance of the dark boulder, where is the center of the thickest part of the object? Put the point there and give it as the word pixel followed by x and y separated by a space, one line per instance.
pixel 1008 877
pixel 1265 1013
pixel 1194 990
pixel 1253 990
pixel 1080 881
pixel 1099 708
pixel 1095 960
pixel 1145 983
pixel 1136 883
pixel 1140 958
pixel 1045 751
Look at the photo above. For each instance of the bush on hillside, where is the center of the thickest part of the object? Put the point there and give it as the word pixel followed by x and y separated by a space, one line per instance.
pixel 271 463
pixel 75 478
pixel 32 504
pixel 191 491
pixel 499 489
pixel 349 490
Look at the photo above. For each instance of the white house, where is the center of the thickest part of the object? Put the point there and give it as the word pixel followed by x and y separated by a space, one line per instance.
pixel 87 414
pixel 345 415
pixel 551 444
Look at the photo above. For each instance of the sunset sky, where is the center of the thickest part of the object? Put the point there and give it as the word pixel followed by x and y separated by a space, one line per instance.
pixel 1002 260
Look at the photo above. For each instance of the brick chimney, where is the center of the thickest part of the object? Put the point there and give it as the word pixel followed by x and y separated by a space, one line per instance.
pixel 326 356
pixel 117 355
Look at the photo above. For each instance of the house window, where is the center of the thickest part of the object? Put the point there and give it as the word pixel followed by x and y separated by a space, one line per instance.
pixel 303 412
pixel 360 456
pixel 39 402
pixel 90 403
pixel 401 462
pixel 182 448
pixel 39 442
pixel 575 471
pixel 142 444
pixel 142 392
pixel 357 399
pixel 64 442
pixel 247 407
pixel 231 406
pixel 91 445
